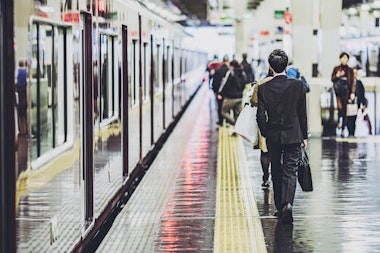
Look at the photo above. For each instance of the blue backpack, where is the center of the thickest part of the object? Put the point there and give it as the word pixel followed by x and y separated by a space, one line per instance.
pixel 294 73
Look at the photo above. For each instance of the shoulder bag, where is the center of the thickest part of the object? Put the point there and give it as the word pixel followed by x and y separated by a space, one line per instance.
pixel 246 124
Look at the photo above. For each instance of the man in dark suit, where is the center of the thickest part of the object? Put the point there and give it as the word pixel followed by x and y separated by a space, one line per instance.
pixel 282 119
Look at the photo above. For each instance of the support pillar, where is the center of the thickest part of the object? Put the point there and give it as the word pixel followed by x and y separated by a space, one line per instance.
pixel 302 31
pixel 242 25
pixel 328 35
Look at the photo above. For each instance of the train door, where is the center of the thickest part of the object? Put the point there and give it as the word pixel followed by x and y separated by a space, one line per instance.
pixel 177 87
pixel 168 86
pixel 86 131
pixel 125 103
pixel 146 126
pixel 157 90
pixel 7 130
pixel 151 85
pixel 108 169
pixel 49 76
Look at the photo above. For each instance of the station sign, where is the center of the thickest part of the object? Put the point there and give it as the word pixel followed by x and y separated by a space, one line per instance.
pixel 71 16
pixel 278 14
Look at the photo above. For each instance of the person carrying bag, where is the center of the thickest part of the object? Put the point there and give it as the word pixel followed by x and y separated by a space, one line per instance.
pixel 304 172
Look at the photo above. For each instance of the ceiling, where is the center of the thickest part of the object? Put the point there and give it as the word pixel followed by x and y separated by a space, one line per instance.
pixel 196 11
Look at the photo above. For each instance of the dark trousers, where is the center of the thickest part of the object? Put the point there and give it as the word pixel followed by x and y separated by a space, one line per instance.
pixel 264 160
pixel 351 125
pixel 220 104
pixel 284 158
pixel 342 109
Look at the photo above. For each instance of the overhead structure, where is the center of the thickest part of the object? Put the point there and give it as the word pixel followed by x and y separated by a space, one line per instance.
pixel 210 12
pixel 222 12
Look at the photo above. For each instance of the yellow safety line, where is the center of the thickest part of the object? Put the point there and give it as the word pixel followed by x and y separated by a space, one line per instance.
pixel 235 226
pixel 218 192
pixel 257 240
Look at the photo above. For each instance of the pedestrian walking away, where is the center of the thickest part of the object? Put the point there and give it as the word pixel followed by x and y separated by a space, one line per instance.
pixel 216 82
pixel 264 155
pixel 232 92
pixel 248 69
pixel 282 119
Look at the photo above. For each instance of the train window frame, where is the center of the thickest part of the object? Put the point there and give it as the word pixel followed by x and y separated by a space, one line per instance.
pixel 111 79
pixel 65 44
pixel 158 66
pixel 146 71
pixel 168 67
pixel 177 63
pixel 134 73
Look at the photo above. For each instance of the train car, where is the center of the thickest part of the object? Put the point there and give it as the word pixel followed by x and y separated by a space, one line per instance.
pixel 106 81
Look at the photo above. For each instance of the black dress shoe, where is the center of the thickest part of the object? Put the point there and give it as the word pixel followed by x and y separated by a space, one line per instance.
pixel 287 214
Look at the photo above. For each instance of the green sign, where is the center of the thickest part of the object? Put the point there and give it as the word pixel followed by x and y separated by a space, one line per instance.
pixel 278 14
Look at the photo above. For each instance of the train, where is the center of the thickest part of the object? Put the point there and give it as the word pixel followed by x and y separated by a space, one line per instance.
pixel 106 83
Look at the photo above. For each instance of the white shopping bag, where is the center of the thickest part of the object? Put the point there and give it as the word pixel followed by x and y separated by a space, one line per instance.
pixel 246 125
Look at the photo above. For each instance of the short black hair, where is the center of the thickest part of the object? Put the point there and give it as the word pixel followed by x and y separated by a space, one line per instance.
pixel 235 64
pixel 344 54
pixel 278 60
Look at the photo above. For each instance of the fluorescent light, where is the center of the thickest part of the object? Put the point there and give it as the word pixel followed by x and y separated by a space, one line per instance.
pixel 365 7
pixel 376 4
pixel 213 4
pixel 352 11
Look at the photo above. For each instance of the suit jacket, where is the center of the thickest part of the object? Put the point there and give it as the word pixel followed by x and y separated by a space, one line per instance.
pixel 281 111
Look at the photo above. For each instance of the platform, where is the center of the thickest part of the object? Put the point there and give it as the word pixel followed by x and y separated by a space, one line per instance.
pixel 203 194
pixel 175 208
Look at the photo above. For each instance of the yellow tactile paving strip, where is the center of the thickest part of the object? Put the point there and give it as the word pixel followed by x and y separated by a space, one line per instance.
pixel 237 224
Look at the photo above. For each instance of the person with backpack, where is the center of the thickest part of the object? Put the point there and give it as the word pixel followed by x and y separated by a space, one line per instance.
pixel 293 72
pixel 247 67
pixel 231 90
pixel 216 82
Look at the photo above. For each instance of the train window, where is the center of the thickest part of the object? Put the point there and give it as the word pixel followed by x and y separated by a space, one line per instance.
pixel 145 72
pixel 48 113
pixel 168 65
pixel 107 76
pixel 158 78
pixel 177 62
pixel 134 73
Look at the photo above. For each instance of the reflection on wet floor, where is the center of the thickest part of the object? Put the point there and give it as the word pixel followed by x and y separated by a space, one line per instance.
pixel 341 214
pixel 188 221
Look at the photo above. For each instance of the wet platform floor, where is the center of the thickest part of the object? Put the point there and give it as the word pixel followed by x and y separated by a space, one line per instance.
pixel 173 208
pixel 342 213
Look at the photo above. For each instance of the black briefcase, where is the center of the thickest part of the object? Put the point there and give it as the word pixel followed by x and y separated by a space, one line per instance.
pixel 304 173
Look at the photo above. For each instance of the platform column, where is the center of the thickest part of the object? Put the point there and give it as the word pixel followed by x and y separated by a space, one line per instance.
pixel 243 26
pixel 304 46
pixel 328 35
